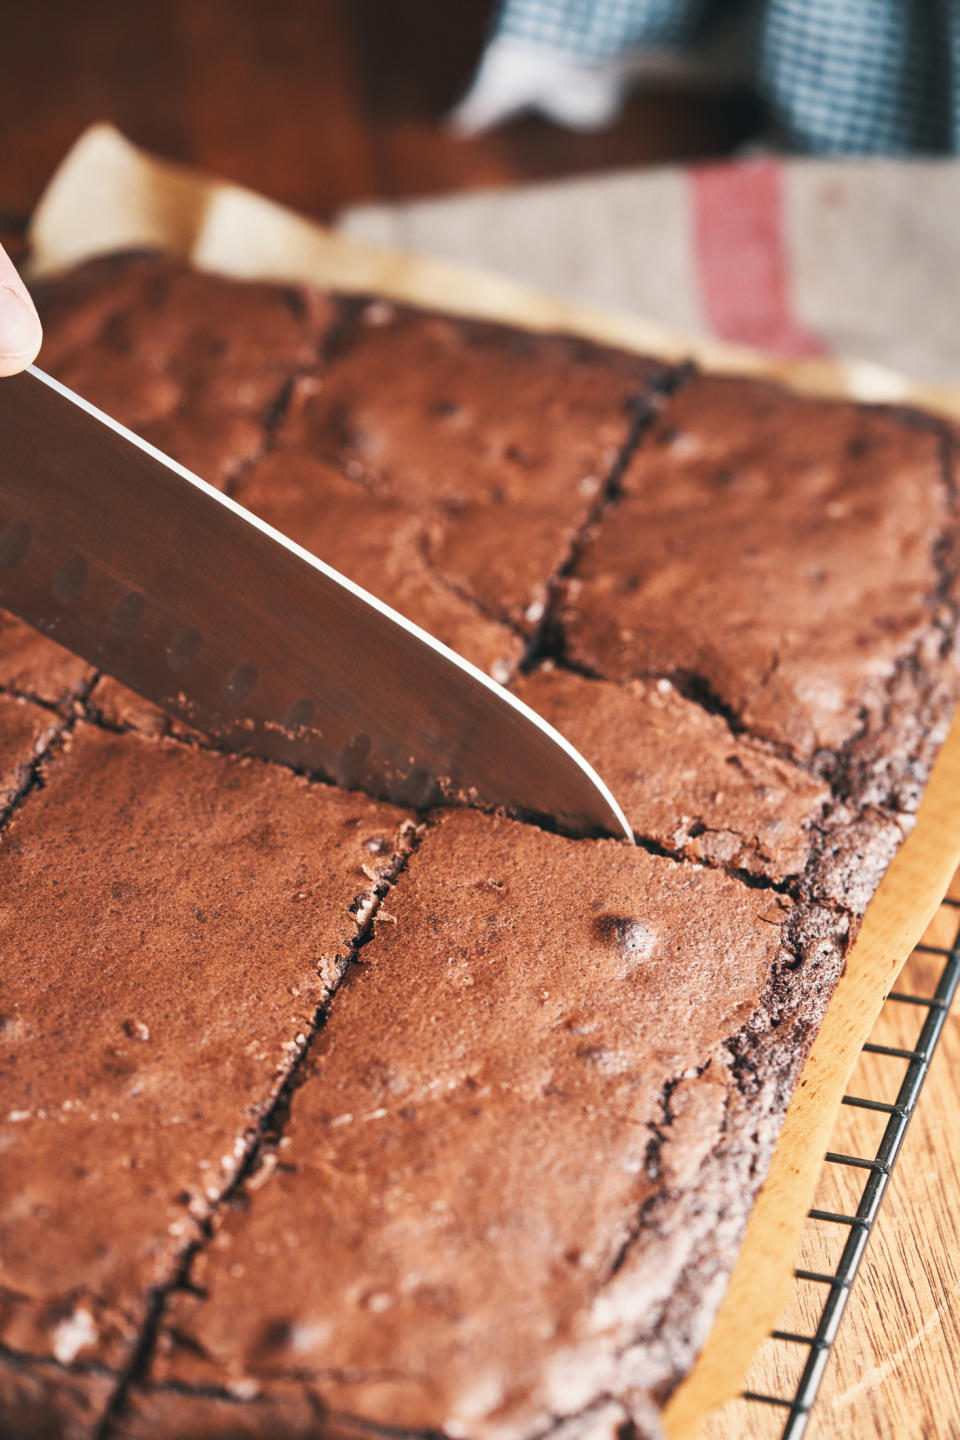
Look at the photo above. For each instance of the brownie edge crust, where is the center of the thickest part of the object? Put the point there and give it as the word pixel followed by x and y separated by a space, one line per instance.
pixel 328 1120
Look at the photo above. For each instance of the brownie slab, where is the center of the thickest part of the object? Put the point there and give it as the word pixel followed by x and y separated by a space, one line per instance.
pixel 171 921
pixel 487 1174
pixel 467 1224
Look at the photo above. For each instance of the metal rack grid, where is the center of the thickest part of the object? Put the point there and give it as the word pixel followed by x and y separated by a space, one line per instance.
pixel 837 1284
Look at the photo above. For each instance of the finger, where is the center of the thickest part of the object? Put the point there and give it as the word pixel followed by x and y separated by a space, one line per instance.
pixel 20 332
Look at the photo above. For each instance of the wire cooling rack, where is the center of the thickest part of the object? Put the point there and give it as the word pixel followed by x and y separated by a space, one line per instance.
pixel 853 1225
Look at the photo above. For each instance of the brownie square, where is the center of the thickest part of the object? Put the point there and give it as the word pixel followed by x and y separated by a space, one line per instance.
pixel 687 783
pixel 381 544
pixel 195 364
pixel 172 921
pixel 777 556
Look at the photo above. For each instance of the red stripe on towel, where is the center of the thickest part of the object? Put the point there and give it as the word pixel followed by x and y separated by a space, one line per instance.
pixel 741 258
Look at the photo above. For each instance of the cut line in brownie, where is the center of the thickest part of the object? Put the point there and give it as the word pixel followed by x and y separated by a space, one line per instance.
pixel 26 730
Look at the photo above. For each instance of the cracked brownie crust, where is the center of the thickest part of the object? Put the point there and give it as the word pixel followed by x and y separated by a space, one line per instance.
pixel 328 1124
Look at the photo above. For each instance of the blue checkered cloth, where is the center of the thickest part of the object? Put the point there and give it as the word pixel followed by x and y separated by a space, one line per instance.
pixel 867 77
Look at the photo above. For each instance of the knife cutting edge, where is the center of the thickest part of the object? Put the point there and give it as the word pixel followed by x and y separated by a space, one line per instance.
pixel 150 574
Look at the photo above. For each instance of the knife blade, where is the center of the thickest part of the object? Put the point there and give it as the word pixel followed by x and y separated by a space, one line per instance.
pixel 120 554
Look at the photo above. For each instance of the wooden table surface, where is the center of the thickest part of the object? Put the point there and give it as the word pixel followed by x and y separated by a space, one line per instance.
pixel 322 103
pixel 893 1374
pixel 313 102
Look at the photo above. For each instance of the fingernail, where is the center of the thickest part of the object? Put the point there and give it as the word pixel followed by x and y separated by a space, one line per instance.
pixel 19 326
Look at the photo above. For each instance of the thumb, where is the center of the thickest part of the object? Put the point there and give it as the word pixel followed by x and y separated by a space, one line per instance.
pixel 20 332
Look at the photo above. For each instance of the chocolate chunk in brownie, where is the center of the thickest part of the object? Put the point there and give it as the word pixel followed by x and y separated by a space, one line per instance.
pixel 776 555
pixel 172 919
pixel 685 781
pixel 198 365
pixel 508 439
pixel 456 1236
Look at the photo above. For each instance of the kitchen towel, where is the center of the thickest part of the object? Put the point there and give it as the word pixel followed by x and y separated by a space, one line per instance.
pixel 796 257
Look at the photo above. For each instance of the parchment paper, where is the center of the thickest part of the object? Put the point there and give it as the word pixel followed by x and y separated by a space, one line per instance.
pixel 107 195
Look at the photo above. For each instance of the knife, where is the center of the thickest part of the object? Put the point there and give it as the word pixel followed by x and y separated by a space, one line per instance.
pixel 155 577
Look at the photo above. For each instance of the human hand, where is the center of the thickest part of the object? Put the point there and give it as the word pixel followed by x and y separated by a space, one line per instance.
pixel 20 332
